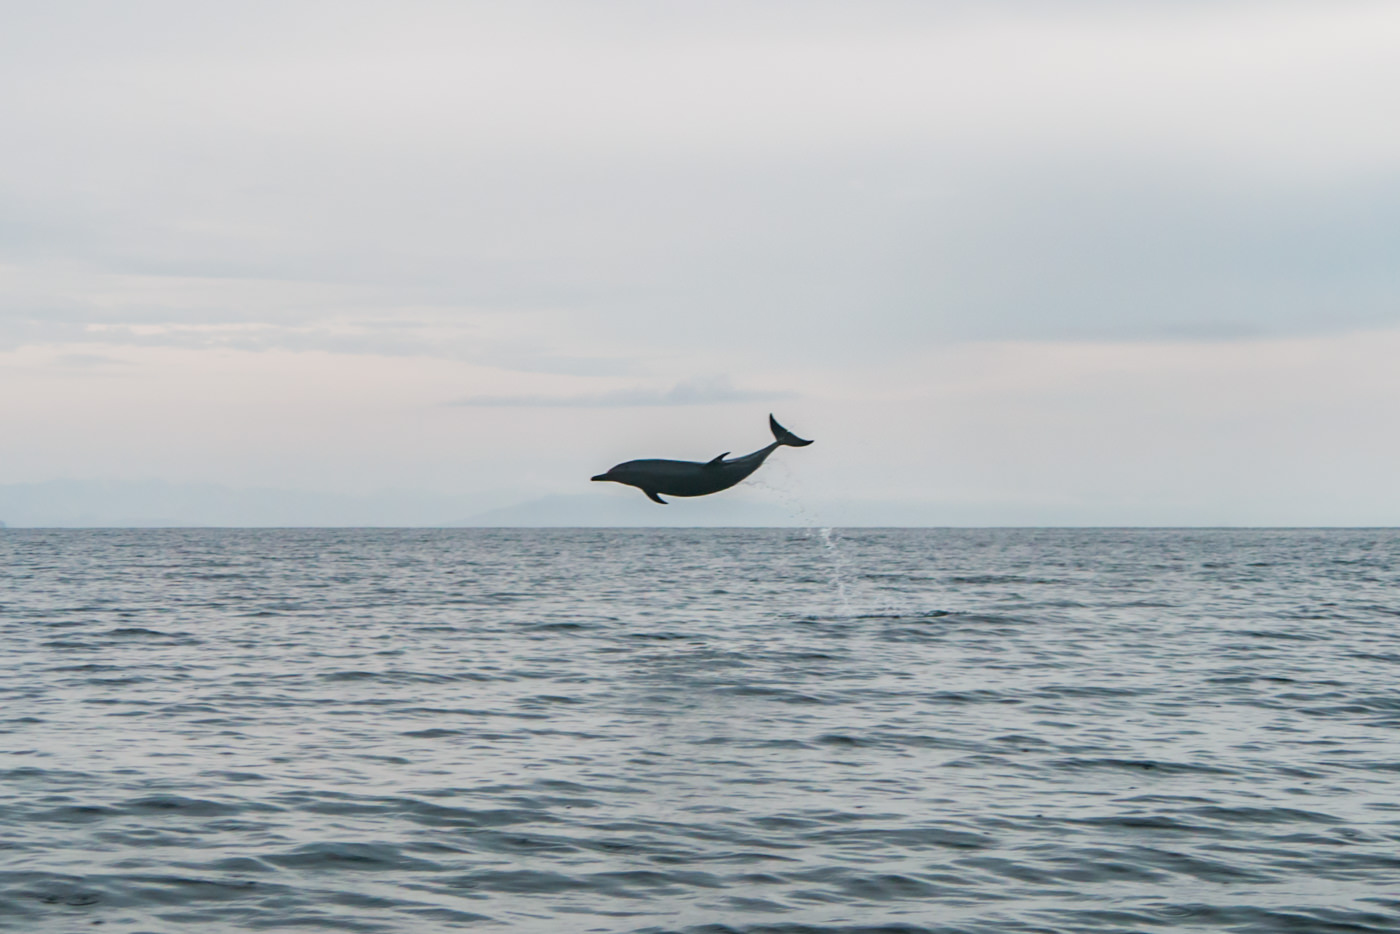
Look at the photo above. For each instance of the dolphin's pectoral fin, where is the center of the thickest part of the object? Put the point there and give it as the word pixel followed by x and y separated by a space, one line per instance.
pixel 651 494
pixel 718 460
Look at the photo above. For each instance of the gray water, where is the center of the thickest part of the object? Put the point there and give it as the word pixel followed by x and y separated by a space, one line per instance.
pixel 708 730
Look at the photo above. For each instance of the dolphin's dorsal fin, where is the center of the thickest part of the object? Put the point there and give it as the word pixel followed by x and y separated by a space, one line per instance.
pixel 655 498
pixel 718 460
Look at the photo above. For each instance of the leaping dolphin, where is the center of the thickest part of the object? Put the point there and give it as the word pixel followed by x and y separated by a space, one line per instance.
pixel 692 478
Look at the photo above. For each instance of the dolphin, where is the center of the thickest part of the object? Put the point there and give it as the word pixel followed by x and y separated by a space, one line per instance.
pixel 692 478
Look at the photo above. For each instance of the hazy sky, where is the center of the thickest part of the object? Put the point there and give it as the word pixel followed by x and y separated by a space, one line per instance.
pixel 1136 255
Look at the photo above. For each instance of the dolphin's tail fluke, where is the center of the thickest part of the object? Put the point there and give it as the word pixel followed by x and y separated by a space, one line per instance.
pixel 784 436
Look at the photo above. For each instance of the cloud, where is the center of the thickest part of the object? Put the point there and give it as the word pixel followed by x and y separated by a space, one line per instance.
pixel 715 391
pixel 88 360
pixel 861 178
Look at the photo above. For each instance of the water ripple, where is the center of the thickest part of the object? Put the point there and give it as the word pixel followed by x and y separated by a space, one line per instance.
pixel 703 731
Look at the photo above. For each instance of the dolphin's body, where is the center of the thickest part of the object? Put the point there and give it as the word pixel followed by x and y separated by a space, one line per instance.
pixel 692 478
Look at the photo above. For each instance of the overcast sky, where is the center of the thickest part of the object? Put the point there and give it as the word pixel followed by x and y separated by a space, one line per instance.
pixel 1099 255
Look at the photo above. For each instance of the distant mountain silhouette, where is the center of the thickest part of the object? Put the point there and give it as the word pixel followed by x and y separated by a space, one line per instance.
pixel 612 509
pixel 151 503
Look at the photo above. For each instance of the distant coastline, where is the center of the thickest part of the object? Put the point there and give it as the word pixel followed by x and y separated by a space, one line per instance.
pixel 159 504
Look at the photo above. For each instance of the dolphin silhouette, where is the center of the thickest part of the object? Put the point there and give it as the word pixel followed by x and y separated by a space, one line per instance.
pixel 692 478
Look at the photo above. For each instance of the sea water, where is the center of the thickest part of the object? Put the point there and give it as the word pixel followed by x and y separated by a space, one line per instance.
pixel 700 730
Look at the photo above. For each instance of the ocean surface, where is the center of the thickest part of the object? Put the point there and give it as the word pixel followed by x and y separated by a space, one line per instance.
pixel 701 731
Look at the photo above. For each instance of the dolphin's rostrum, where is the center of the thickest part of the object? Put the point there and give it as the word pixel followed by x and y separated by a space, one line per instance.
pixel 692 478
